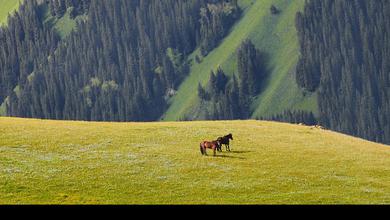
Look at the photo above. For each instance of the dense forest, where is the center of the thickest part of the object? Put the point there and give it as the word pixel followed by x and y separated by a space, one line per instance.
pixel 345 54
pixel 120 64
pixel 24 43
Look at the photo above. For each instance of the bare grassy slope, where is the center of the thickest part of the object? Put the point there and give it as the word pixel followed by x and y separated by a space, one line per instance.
pixel 157 163
pixel 7 7
pixel 275 35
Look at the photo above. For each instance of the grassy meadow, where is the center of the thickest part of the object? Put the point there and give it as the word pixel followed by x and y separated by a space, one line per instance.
pixel 64 162
pixel 6 7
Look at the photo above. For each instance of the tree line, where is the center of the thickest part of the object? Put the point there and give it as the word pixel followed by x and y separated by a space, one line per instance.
pixel 294 116
pixel 58 8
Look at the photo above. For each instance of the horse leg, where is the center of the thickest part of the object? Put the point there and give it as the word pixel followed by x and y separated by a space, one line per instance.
pixel 201 149
pixel 215 153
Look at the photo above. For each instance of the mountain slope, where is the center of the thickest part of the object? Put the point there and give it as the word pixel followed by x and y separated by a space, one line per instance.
pixel 7 6
pixel 273 34
pixel 65 162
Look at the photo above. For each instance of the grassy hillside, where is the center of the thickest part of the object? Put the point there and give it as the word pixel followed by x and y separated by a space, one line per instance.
pixel 155 163
pixel 6 7
pixel 273 34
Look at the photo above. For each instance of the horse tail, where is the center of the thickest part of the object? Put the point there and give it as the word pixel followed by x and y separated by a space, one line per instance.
pixel 201 149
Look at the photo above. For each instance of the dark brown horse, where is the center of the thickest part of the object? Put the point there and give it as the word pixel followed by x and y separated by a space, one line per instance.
pixel 214 145
pixel 225 140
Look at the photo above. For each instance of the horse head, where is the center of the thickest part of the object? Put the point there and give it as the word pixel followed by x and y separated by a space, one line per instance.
pixel 230 136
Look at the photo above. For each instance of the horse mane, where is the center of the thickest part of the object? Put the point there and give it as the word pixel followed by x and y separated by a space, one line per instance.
pixel 229 136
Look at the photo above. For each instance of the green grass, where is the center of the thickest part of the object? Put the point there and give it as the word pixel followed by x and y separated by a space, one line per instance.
pixel 7 7
pixel 281 41
pixel 64 25
pixel 60 162
pixel 273 34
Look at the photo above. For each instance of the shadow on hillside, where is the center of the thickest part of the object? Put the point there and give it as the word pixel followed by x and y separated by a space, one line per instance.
pixel 239 152
pixel 228 156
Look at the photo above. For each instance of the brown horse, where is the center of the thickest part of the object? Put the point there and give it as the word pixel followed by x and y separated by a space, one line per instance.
pixel 214 145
